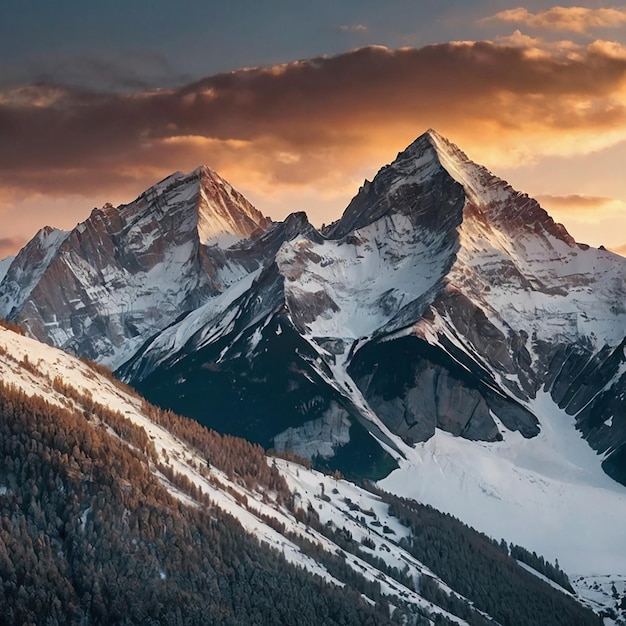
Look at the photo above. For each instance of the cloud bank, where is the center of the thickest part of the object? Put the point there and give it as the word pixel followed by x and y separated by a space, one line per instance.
pixel 319 125
pixel 9 245
pixel 582 208
pixel 575 202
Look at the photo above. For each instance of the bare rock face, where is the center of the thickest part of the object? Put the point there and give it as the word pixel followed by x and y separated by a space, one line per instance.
pixel 591 386
pixel 415 389
pixel 318 437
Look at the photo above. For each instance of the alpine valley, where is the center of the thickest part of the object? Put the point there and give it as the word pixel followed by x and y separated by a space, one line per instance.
pixel 444 339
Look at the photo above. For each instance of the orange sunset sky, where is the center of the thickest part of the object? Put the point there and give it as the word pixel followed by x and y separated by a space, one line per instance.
pixel 296 104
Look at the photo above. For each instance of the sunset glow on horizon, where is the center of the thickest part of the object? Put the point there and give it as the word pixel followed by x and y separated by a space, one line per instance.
pixel 536 94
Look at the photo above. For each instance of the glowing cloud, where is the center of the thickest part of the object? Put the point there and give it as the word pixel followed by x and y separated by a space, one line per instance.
pixel 576 202
pixel 573 19
pixel 10 245
pixel 582 208
pixel 499 98
pixel 316 128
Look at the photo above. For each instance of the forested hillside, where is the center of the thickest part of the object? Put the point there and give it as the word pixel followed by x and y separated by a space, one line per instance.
pixel 88 534
pixel 113 511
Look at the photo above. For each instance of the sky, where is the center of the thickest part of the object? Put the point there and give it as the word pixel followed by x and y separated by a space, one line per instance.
pixel 296 103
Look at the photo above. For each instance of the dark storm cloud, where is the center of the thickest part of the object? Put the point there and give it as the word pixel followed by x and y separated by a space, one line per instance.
pixel 105 70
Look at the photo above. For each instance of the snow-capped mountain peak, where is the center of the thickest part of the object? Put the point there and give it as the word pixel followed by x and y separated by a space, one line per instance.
pixel 200 200
pixel 129 271
pixel 224 215
pixel 420 170
pixel 27 268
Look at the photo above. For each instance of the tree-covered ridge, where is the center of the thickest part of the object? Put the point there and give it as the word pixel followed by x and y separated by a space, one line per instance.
pixel 539 564
pixel 239 459
pixel 87 533
pixel 476 567
pixel 206 472
pixel 226 465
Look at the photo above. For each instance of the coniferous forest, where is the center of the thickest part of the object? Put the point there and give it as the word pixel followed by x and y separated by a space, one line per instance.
pixel 89 536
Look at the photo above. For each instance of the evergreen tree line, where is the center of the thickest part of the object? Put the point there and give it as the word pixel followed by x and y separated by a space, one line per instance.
pixel 476 567
pixel 88 535
pixel 538 563
pixel 241 461
pixel 429 588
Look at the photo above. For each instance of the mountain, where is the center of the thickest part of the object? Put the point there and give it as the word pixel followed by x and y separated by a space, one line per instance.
pixel 114 511
pixel 439 282
pixel 125 273
pixel 444 337
pixel 4 266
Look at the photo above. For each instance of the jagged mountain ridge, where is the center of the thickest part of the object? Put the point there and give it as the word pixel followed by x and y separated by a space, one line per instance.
pixel 117 492
pixel 494 300
pixel 128 272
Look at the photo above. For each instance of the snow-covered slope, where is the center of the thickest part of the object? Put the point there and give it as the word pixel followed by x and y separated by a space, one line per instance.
pixel 371 538
pixel 127 272
pixel 548 493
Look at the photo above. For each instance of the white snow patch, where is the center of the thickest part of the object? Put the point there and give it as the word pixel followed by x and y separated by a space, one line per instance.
pixel 4 266
pixel 548 494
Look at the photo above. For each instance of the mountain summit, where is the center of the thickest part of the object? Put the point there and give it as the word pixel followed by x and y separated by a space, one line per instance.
pixel 407 185
pixel 129 271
